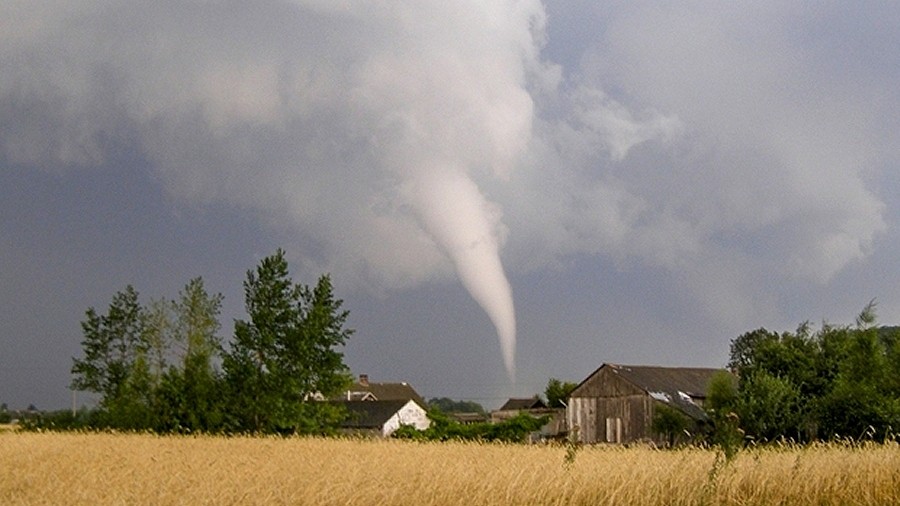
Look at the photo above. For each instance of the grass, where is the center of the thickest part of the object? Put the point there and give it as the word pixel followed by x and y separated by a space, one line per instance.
pixel 76 468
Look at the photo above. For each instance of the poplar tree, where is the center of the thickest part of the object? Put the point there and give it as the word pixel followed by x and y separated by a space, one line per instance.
pixel 283 358
pixel 191 390
pixel 115 361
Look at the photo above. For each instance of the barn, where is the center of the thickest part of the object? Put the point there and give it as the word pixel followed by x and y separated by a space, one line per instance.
pixel 616 403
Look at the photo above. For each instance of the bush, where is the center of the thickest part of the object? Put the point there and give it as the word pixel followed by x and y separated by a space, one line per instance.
pixel 514 430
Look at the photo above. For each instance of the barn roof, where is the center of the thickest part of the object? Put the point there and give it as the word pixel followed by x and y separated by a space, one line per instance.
pixel 678 387
pixel 690 380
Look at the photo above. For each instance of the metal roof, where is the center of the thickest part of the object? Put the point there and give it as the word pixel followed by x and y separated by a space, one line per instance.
pixel 693 381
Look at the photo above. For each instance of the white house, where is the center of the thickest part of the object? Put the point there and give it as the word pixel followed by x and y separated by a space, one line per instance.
pixel 382 418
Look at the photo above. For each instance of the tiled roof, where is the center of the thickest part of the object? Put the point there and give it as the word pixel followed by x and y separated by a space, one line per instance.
pixel 385 392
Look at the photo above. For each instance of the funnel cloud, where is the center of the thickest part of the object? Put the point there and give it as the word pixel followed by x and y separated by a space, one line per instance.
pixel 463 222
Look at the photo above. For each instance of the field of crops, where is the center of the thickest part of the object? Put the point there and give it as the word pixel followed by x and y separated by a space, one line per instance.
pixel 92 469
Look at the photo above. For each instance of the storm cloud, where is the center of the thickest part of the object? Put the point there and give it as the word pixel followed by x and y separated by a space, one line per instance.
pixel 397 144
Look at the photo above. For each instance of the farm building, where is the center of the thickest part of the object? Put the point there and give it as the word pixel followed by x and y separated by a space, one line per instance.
pixel 536 407
pixel 616 403
pixel 382 418
pixel 523 404
pixel 364 390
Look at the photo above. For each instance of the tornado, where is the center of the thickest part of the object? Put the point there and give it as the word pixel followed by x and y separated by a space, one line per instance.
pixel 467 227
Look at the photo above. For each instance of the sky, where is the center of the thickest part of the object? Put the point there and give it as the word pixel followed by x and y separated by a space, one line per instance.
pixel 502 191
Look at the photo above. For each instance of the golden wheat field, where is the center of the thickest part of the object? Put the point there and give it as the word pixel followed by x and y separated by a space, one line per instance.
pixel 74 468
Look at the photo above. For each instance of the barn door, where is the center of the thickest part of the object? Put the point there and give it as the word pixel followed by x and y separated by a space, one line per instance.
pixel 613 430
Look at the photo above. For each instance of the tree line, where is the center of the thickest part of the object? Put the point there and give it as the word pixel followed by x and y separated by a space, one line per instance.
pixel 163 366
pixel 836 382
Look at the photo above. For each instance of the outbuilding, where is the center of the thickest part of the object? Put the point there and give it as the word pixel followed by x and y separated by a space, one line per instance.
pixel 617 403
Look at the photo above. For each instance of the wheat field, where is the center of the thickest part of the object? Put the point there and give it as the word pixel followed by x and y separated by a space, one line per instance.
pixel 76 468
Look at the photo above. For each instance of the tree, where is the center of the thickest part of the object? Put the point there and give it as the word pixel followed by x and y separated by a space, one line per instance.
pixel 668 422
pixel 285 355
pixel 838 382
pixel 271 301
pixel 557 392
pixel 770 407
pixel 721 393
pixel 447 405
pixel 513 430
pixel 862 399
pixel 115 360
pixel 157 331
pixel 191 392
pixel 721 406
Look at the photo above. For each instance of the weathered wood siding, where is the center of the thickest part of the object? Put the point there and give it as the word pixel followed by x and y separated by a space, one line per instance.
pixel 607 409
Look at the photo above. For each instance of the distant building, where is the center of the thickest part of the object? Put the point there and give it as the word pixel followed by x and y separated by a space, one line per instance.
pixel 382 418
pixel 523 404
pixel 379 409
pixel 364 390
pixel 534 406
pixel 616 403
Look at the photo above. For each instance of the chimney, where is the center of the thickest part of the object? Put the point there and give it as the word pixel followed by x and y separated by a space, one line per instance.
pixel 364 380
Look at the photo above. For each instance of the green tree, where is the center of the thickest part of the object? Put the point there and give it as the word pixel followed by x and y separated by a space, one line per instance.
pixel 770 407
pixel 514 430
pixel 721 393
pixel 447 405
pixel 115 361
pixel 557 392
pixel 668 422
pixel 721 406
pixel 157 334
pixel 285 355
pixel 252 366
pixel 862 400
pixel 191 393
pixel 838 382
pixel 313 357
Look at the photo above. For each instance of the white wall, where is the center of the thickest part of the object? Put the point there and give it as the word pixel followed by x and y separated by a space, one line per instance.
pixel 410 414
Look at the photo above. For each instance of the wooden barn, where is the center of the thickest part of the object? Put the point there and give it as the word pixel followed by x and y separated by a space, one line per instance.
pixel 616 403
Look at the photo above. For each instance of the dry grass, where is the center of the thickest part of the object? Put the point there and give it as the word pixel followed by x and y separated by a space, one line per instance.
pixel 145 469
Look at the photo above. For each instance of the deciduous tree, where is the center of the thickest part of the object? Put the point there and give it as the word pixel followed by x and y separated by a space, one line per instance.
pixel 286 354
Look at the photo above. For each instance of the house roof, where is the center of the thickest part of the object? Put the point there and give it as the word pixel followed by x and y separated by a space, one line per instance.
pixel 370 414
pixel 675 386
pixel 518 404
pixel 401 391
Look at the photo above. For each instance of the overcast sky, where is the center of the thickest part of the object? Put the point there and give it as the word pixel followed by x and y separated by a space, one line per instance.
pixel 503 191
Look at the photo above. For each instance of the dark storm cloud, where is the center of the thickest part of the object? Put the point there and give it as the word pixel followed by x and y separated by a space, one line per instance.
pixel 741 152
